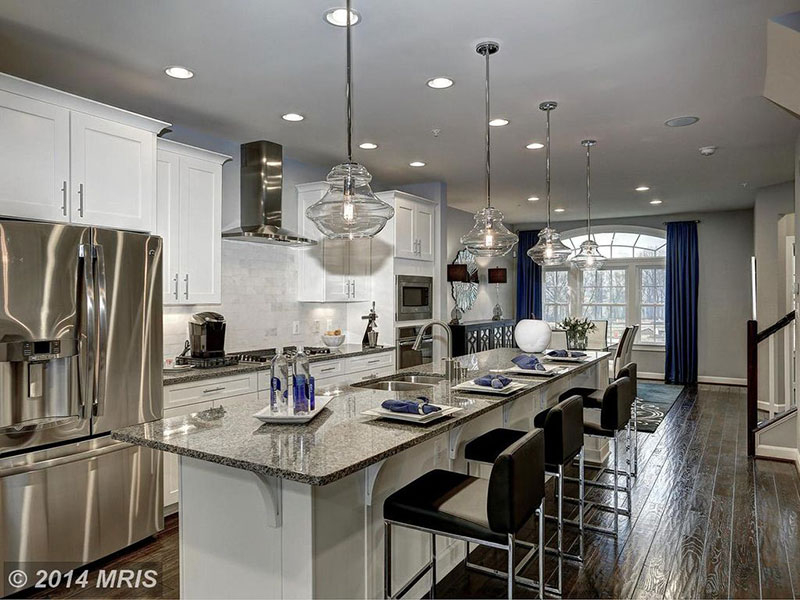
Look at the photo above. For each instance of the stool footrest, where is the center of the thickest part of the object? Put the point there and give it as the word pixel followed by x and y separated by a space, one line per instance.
pixel 412 582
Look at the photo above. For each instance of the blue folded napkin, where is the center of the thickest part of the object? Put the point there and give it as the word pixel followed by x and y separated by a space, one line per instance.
pixel 566 354
pixel 498 382
pixel 409 406
pixel 525 361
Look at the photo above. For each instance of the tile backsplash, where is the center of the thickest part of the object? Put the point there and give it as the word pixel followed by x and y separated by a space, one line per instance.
pixel 259 291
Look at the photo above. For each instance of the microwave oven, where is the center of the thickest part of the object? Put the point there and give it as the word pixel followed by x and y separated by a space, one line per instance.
pixel 414 297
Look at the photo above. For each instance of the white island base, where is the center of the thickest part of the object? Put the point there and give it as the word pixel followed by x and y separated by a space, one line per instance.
pixel 244 535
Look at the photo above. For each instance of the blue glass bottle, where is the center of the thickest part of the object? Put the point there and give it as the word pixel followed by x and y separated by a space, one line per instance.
pixel 279 383
pixel 302 387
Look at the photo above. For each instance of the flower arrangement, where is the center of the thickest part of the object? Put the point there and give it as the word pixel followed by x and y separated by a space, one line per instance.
pixel 577 329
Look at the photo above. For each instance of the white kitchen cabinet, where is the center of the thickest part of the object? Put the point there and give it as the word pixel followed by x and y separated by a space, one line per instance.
pixel 71 160
pixel 414 226
pixel 112 170
pixel 172 477
pixel 333 270
pixel 189 218
pixel 34 159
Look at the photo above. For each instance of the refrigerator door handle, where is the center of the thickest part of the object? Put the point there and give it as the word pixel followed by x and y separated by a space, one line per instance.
pixel 62 460
pixel 102 333
pixel 87 339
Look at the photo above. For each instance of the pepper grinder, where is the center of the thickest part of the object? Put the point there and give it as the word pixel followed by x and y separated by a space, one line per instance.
pixel 370 339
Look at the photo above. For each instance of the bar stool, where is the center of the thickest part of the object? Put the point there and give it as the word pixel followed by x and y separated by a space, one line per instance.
pixel 615 416
pixel 563 440
pixel 593 398
pixel 486 512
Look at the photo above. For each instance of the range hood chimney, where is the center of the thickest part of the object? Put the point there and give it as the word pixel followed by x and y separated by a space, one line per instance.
pixel 261 191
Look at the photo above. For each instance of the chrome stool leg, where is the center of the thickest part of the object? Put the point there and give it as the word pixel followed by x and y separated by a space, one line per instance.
pixel 433 566
pixel 582 500
pixel 560 526
pixel 629 460
pixel 635 438
pixel 387 561
pixel 510 571
pixel 616 479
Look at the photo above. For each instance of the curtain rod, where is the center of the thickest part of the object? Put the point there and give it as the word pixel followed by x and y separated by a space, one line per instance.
pixel 690 221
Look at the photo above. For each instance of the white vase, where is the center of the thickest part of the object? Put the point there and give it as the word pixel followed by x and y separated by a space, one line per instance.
pixel 532 335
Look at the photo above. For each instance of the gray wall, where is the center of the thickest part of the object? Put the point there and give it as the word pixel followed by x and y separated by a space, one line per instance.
pixel 726 245
pixel 460 222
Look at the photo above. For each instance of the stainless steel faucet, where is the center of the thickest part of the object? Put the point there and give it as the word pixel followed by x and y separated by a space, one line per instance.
pixel 448 361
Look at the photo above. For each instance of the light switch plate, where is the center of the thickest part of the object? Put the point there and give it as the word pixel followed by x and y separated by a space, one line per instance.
pixel 296 327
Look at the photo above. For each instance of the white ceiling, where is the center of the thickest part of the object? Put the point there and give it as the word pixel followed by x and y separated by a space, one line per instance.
pixel 618 69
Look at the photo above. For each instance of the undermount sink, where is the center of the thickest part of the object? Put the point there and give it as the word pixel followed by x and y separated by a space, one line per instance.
pixel 427 379
pixel 396 386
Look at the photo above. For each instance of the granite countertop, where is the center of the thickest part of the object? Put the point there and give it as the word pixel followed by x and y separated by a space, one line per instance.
pixel 191 375
pixel 340 440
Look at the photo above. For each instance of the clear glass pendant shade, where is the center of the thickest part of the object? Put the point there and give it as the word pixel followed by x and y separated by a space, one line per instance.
pixel 349 209
pixel 489 237
pixel 549 251
pixel 589 257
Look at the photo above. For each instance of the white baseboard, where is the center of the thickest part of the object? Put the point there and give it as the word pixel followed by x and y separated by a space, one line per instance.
pixel 650 376
pixel 702 379
pixel 779 452
pixel 779 408
pixel 797 461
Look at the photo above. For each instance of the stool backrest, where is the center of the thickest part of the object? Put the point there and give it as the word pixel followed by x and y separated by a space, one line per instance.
pixel 617 401
pixel 629 371
pixel 627 352
pixel 598 339
pixel 563 431
pixel 619 354
pixel 516 485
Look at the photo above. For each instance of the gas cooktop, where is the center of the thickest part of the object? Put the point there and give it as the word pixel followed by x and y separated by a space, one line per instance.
pixel 267 354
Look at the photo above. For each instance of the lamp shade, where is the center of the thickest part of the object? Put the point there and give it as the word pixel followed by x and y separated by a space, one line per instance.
pixel 498 275
pixel 457 273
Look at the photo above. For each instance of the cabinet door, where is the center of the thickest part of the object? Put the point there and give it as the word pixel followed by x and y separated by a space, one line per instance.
pixel 508 335
pixel 497 337
pixel 201 230
pixel 484 338
pixel 405 245
pixel 472 341
pixel 337 272
pixel 424 231
pixel 360 270
pixel 34 159
pixel 168 209
pixel 112 174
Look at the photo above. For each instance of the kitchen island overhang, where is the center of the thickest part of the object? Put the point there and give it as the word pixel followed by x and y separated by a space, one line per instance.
pixel 296 510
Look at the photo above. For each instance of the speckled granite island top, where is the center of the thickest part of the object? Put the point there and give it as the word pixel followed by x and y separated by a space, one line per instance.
pixel 343 351
pixel 340 440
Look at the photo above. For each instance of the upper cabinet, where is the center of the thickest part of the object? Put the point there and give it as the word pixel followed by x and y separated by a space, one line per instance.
pixel 71 160
pixel 189 218
pixel 414 225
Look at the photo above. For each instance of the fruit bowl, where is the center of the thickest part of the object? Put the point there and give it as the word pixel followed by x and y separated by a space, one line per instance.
pixel 333 341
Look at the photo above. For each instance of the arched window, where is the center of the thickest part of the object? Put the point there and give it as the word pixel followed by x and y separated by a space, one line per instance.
pixel 628 289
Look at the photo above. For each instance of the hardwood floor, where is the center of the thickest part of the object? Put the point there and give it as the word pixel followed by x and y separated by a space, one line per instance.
pixel 707 522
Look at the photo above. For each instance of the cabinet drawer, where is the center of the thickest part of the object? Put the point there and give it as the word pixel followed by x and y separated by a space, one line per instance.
pixel 370 362
pixel 327 368
pixel 210 389
pixel 372 374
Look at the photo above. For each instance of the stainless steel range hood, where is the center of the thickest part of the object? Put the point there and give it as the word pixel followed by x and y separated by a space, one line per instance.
pixel 261 191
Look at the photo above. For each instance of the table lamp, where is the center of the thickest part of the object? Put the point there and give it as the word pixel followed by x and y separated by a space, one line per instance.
pixel 457 274
pixel 497 276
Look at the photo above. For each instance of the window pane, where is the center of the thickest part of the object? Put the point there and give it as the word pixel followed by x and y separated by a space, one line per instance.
pixel 650 242
pixel 621 252
pixel 652 305
pixel 604 298
pixel 556 295
pixel 625 239
pixel 603 239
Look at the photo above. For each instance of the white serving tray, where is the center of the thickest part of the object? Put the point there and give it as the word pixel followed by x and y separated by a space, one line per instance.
pixel 411 417
pixel 267 416
pixel 551 371
pixel 469 386
pixel 566 359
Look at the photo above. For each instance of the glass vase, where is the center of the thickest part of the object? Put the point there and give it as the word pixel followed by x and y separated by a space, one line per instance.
pixel 576 340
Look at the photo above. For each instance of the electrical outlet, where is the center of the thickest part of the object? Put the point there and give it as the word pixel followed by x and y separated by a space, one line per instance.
pixel 329 325
pixel 316 326
pixel 296 327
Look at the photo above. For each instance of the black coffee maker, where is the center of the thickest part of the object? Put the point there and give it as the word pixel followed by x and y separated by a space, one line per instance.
pixel 207 335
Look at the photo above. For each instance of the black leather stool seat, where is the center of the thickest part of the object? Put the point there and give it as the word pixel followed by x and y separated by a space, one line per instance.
pixel 591 397
pixel 445 502
pixel 487 447
pixel 595 429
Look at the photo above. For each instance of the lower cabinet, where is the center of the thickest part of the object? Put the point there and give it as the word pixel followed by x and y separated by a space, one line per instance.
pixel 480 336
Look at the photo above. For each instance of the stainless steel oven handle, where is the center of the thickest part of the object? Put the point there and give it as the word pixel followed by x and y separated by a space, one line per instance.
pixel 63 460
pixel 102 333
pixel 88 336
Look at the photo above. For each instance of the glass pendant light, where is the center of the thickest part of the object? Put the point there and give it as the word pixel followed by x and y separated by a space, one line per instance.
pixel 489 237
pixel 349 209
pixel 549 251
pixel 589 258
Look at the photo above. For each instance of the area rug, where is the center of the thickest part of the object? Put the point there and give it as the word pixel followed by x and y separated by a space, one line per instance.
pixel 655 400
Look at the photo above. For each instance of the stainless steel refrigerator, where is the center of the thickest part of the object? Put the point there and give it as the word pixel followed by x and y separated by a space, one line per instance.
pixel 80 355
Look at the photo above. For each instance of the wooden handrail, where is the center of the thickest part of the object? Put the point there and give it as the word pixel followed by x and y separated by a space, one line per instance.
pixel 754 337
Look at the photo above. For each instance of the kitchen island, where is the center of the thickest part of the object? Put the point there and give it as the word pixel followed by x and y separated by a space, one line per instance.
pixel 296 510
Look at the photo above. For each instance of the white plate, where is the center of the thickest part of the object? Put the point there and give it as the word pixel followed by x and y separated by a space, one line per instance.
pixel 550 372
pixel 566 359
pixel 411 417
pixel 267 416
pixel 469 386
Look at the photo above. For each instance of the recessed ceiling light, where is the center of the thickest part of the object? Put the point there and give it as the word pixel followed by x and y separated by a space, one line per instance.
pixel 499 122
pixel 179 72
pixel 416 163
pixel 533 199
pixel 681 121
pixel 338 17
pixel 642 188
pixel 535 146
pixel 559 210
pixel 292 117
pixel 440 83
pixel 656 201
pixel 368 146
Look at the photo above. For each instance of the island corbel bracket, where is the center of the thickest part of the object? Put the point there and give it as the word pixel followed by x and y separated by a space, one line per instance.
pixel 454 438
pixel 371 475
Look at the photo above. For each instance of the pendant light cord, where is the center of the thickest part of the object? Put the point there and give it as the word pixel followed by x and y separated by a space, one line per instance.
pixel 488 139
pixel 588 194
pixel 348 90
pixel 547 167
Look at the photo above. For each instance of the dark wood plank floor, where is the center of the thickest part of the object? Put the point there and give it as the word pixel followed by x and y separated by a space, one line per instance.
pixel 707 522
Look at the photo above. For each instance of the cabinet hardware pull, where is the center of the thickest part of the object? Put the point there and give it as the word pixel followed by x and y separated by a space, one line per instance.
pixel 354 288
pixel 348 288
pixel 216 389
pixel 64 199
pixel 80 200
pixel 372 362
pixel 327 370
pixel 186 281
pixel 176 286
